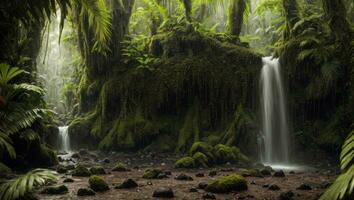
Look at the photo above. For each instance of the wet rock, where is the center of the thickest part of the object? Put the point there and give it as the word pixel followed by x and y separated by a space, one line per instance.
pixel 274 187
pixel 70 167
pixel 184 177
pixel 55 190
pixel 149 183
pixel 193 190
pixel 83 152
pixel 208 196
pixel 81 171
pixel 162 175
pixel 304 186
pixel 106 160
pixel 60 159
pixel 98 184
pixel 85 192
pixel 253 183
pixel 68 180
pixel 127 184
pixel 62 169
pixel 168 173
pixel 226 184
pixel 163 193
pixel 202 185
pixel 199 175
pixel 286 195
pixel 120 167
pixel 279 173
pixel 251 173
pixel 76 156
pixel 152 173
pixel 212 173
pixel 291 172
pixel 266 172
pixel 97 170
pixel 265 185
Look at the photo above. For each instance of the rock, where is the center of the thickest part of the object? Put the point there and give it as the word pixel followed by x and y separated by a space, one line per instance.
pixel 226 184
pixel 224 154
pixel 199 175
pixel 106 160
pixel 286 195
pixel 204 148
pixel 60 159
pixel 265 185
pixel 120 167
pixel 201 160
pixel 185 162
pixel 253 183
pixel 304 186
pixel 163 193
pixel 152 173
pixel 266 172
pixel 202 185
pixel 251 173
pixel 193 190
pixel 184 177
pixel 68 180
pixel 127 184
pixel 149 183
pixel 161 176
pixel 274 187
pixel 83 152
pixel 212 173
pixel 75 155
pixel 62 169
pixel 85 192
pixel 81 171
pixel 70 167
pixel 291 172
pixel 208 196
pixel 279 173
pixel 97 170
pixel 98 184
pixel 55 190
pixel 168 173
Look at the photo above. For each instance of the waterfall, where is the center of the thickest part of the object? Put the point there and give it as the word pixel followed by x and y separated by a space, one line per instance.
pixel 64 139
pixel 275 130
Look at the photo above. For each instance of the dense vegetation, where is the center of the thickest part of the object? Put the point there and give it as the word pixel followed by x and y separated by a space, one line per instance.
pixel 161 75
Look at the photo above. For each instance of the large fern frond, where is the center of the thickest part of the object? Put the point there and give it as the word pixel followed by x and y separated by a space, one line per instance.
pixel 20 186
pixel 7 73
pixel 6 144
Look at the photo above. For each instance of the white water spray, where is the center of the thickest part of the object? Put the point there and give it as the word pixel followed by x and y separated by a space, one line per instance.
pixel 64 139
pixel 275 130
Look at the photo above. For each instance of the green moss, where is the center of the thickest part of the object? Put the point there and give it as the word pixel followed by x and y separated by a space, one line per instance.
pixel 81 171
pixel 224 153
pixel 201 160
pixel 152 173
pixel 98 184
pixel 120 167
pixel 97 170
pixel 204 148
pixel 227 184
pixel 185 162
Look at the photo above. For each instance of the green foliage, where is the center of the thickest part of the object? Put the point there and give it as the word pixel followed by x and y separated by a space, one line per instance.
pixel 23 185
pixel 343 186
pixel 7 73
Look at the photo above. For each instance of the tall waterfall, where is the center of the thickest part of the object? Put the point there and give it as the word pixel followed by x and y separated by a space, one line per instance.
pixel 275 130
pixel 64 138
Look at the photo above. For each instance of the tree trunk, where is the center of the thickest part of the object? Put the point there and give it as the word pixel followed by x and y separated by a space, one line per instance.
pixel 237 8
pixel 188 9
pixel 291 14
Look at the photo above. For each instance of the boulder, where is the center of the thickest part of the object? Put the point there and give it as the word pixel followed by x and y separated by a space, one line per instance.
pixel 55 190
pixel 120 167
pixel 163 193
pixel 226 184
pixel 81 171
pixel 127 184
pixel 97 170
pixel 85 192
pixel 98 184
pixel 152 173
pixel 279 173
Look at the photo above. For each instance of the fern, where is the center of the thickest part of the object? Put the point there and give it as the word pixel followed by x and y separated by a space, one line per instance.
pixel 7 73
pixel 23 185
pixel 6 143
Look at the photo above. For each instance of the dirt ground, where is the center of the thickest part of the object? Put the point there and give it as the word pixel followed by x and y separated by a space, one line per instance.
pixel 138 163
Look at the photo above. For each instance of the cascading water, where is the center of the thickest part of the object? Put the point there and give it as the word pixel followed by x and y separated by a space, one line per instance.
pixel 64 139
pixel 274 138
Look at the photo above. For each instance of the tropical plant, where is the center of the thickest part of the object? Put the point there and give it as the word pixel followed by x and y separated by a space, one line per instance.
pixel 343 186
pixel 25 184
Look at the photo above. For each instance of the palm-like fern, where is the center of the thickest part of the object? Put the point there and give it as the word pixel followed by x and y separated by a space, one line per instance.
pixel 343 186
pixel 23 185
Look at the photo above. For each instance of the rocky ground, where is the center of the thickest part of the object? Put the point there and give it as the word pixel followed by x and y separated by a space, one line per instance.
pixel 263 183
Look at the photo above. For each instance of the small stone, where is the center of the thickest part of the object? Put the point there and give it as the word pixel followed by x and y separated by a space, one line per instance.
pixel 253 183
pixel 60 159
pixel 161 176
pixel 193 190
pixel 55 190
pixel 68 180
pixel 212 173
pixel 106 160
pixel 304 186
pixel 184 177
pixel 75 155
pixel 127 184
pixel 163 193
pixel 209 196
pixel 61 169
pixel 279 173
pixel 286 195
pixel 265 185
pixel 149 183
pixel 202 185
pixel 85 192
pixel 199 175
pixel 291 172
pixel 274 187
pixel 120 167
pixel 168 173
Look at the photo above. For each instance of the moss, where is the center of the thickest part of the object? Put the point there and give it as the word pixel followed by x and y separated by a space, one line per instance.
pixel 227 184
pixel 152 173
pixel 81 171
pixel 185 162
pixel 204 148
pixel 224 153
pixel 201 160
pixel 55 190
pixel 98 184
pixel 97 170
pixel 120 167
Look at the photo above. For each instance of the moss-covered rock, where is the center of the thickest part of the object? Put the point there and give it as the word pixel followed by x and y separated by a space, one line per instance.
pixel 81 171
pixel 185 162
pixel 120 167
pixel 201 160
pixel 152 173
pixel 97 170
pixel 226 184
pixel 204 148
pixel 224 154
pixel 127 184
pixel 98 184
pixel 55 190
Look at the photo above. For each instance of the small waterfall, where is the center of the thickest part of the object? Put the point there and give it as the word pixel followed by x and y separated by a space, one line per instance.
pixel 275 130
pixel 64 139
